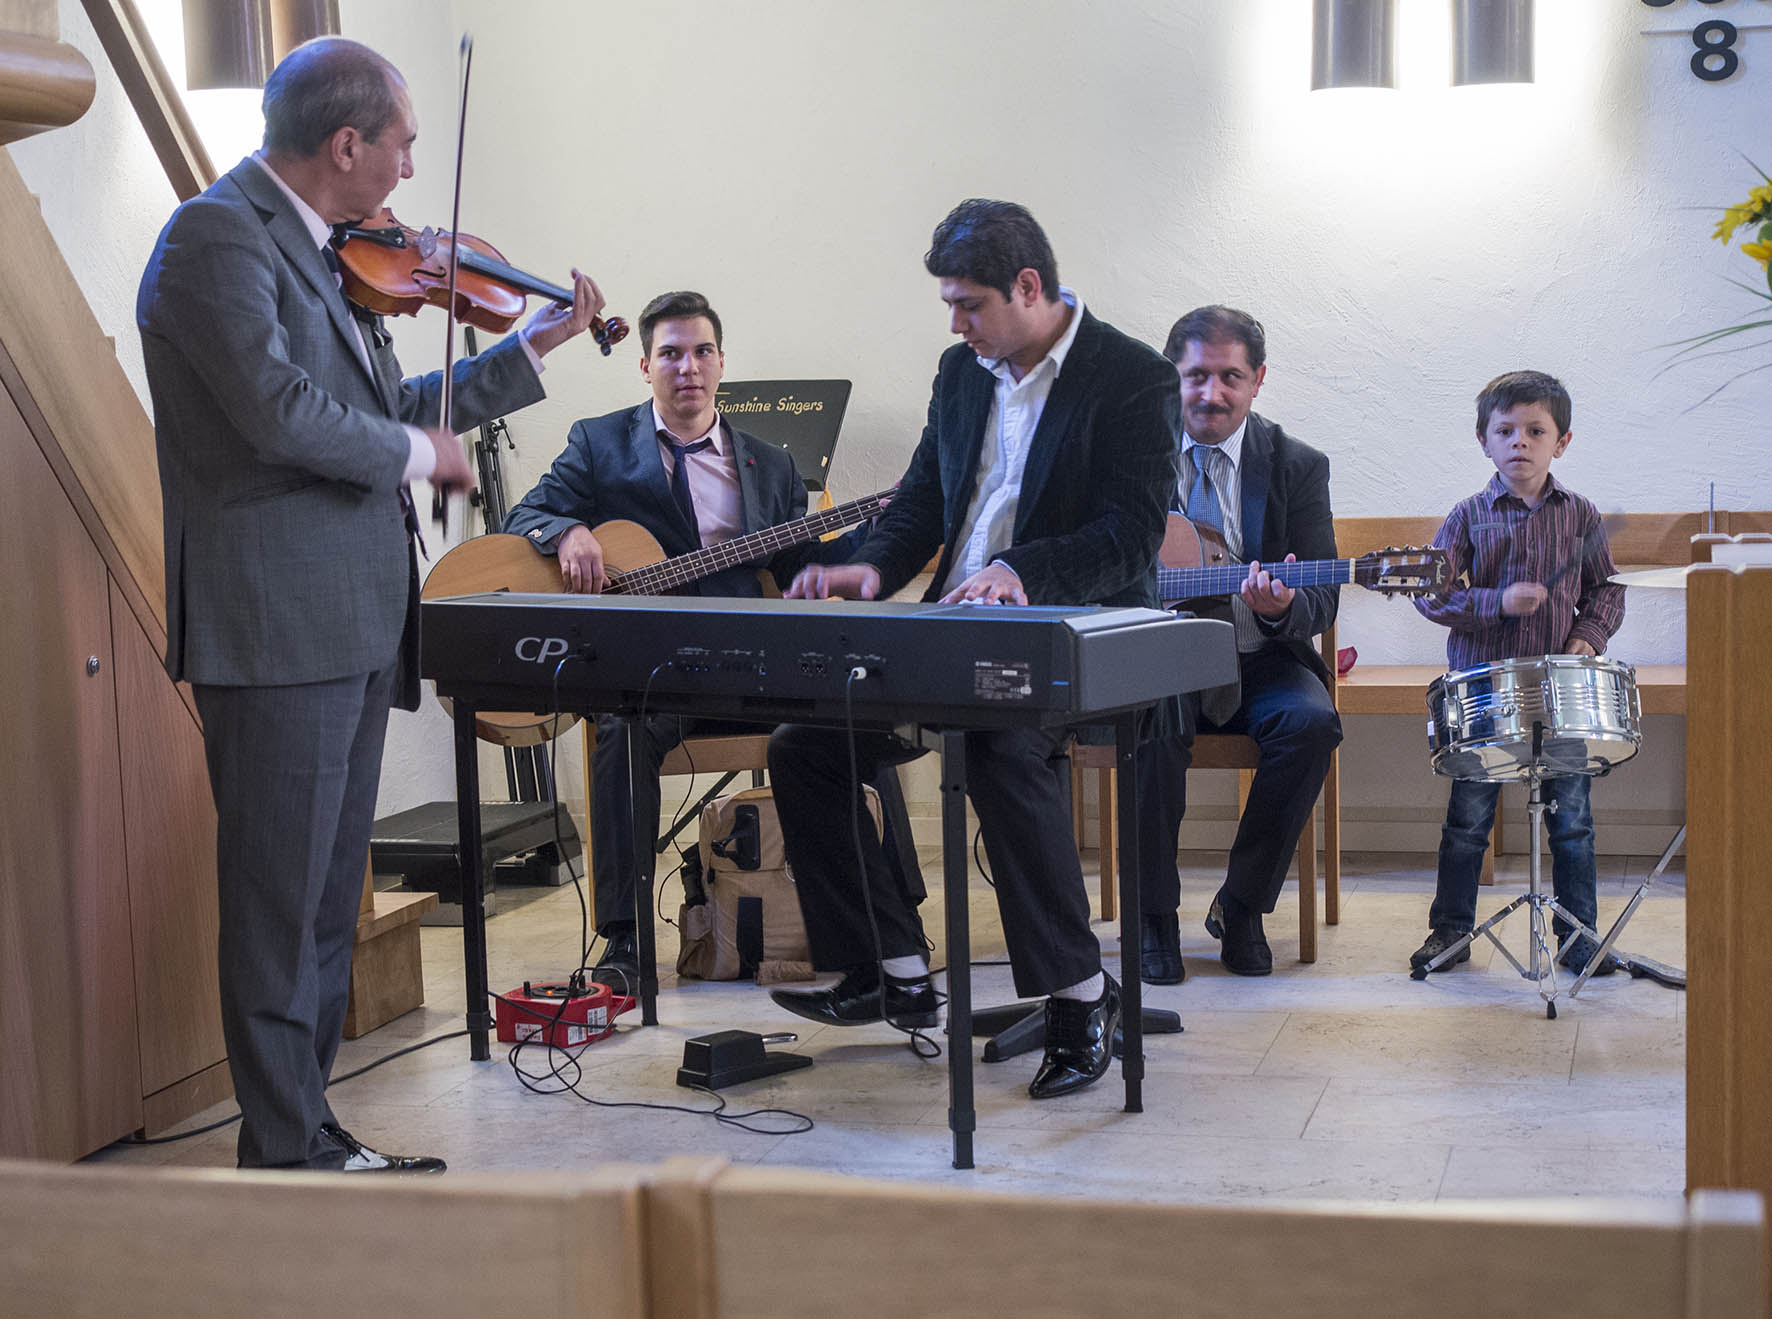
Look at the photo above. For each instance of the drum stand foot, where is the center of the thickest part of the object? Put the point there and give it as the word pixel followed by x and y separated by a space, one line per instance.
pixel 1639 967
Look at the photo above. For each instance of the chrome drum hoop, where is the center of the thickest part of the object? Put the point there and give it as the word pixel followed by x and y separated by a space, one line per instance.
pixel 1481 720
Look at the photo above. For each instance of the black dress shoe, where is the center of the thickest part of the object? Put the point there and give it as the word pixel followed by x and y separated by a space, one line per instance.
pixel 360 1158
pixel 619 966
pixel 855 1000
pixel 1438 942
pixel 1159 953
pixel 1079 1043
pixel 1242 942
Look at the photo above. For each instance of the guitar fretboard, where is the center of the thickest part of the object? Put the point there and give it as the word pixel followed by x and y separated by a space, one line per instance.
pixel 1227 579
pixel 669 574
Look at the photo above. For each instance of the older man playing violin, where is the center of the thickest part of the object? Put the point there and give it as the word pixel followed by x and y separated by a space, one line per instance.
pixel 286 436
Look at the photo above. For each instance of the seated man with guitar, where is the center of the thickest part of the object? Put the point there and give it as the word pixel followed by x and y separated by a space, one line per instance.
pixel 669 477
pixel 1250 489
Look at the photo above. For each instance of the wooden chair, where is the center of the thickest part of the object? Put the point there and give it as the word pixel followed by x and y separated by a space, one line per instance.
pixel 1228 751
pixel 1211 751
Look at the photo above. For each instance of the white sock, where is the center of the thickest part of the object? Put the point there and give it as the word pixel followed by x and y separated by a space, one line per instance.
pixel 1086 991
pixel 905 968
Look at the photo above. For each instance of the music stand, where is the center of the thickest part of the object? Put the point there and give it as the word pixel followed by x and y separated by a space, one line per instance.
pixel 801 416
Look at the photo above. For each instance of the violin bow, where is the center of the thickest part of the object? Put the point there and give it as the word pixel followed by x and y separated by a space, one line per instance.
pixel 446 408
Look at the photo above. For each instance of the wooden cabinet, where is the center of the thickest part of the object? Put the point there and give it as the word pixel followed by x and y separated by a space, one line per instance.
pixel 169 845
pixel 70 1081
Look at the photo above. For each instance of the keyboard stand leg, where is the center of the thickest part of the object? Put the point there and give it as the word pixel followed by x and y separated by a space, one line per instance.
pixel 1131 987
pixel 473 887
pixel 955 858
pixel 644 935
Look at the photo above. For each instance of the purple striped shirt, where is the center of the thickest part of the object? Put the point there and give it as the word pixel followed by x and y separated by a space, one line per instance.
pixel 1495 538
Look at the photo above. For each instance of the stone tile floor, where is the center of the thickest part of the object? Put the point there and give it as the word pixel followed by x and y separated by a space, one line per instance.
pixel 1339 1080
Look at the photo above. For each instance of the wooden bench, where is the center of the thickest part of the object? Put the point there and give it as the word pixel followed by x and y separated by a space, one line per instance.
pixel 925 1250
pixel 693 1238
pixel 207 1243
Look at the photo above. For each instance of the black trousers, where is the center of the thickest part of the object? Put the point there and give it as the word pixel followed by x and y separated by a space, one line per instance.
pixel 1018 788
pixel 1287 710
pixel 612 829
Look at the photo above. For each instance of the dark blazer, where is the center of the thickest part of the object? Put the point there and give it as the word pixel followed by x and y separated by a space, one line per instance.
pixel 287 557
pixel 612 468
pixel 1286 511
pixel 1100 468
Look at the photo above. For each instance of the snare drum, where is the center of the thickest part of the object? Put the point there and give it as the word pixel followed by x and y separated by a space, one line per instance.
pixel 1481 722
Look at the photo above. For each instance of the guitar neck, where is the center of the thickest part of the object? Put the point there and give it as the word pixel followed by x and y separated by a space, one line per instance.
pixel 1227 579
pixel 671 574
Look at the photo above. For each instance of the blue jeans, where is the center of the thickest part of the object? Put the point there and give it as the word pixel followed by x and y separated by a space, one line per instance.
pixel 1464 839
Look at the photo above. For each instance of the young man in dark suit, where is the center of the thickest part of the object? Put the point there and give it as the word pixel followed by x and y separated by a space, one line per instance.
pixel 286 437
pixel 678 469
pixel 1268 494
pixel 1041 477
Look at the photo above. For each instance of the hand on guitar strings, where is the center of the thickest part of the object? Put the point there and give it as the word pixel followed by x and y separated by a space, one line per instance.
pixel 581 561
pixel 1266 594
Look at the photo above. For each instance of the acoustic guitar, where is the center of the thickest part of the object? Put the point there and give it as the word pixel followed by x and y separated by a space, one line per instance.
pixel 636 564
pixel 1194 563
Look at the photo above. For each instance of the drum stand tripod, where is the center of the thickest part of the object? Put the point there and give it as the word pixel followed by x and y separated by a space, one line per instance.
pixel 1541 953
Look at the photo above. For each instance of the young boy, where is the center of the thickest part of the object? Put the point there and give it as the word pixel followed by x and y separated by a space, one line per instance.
pixel 1540 584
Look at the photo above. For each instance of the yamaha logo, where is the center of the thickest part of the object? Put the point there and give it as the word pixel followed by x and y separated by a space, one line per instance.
pixel 540 650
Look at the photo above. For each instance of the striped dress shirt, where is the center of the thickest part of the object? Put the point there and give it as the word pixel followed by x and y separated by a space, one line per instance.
pixel 1495 538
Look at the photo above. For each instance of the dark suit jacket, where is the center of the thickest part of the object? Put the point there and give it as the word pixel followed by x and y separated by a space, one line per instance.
pixel 612 468
pixel 1286 511
pixel 1094 492
pixel 287 558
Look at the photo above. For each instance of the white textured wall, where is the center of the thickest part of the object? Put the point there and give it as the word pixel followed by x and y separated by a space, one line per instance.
pixel 790 159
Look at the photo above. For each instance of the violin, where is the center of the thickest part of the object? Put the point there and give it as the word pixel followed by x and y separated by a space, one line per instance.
pixel 393 271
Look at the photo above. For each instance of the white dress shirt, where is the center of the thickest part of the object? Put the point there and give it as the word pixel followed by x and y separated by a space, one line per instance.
pixel 1016 406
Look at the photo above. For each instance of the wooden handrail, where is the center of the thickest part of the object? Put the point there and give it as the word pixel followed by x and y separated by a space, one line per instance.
pixel 153 94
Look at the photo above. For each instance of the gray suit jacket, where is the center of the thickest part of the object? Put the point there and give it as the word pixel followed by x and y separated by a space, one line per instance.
pixel 287 558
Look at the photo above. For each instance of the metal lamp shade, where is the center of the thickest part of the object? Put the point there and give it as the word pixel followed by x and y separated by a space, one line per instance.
pixel 1491 41
pixel 236 43
pixel 1353 44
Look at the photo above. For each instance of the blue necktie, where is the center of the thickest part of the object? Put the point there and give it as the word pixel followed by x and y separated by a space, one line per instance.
pixel 1202 500
pixel 680 482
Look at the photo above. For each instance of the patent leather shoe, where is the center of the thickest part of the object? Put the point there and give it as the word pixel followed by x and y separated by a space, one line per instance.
pixel 1438 942
pixel 1079 1042
pixel 360 1158
pixel 1242 942
pixel 619 967
pixel 856 1000
pixel 1159 952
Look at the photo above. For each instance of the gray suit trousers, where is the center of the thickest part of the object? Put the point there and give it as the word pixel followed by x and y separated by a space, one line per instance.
pixel 294 771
